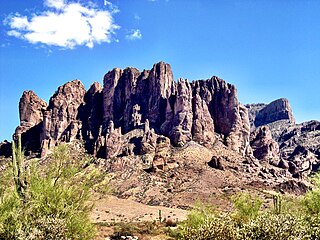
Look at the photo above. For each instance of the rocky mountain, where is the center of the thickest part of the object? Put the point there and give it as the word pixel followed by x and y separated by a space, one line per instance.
pixel 262 114
pixel 129 99
pixel 188 134
pixel 276 137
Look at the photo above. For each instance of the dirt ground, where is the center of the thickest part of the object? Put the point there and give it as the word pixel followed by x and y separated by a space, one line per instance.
pixel 112 210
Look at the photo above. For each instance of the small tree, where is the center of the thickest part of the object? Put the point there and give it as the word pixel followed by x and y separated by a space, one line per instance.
pixel 51 199
pixel 246 207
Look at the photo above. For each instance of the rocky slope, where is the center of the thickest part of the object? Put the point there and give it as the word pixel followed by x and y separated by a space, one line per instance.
pixel 181 111
pixel 162 141
pixel 291 146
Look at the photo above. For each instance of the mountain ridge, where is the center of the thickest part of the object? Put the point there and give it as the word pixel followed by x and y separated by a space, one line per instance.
pixel 147 114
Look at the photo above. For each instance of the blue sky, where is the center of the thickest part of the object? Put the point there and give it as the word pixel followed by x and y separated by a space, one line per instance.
pixel 268 49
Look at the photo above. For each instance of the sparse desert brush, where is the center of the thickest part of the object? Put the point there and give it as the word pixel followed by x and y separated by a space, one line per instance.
pixel 248 222
pixel 246 207
pixel 48 201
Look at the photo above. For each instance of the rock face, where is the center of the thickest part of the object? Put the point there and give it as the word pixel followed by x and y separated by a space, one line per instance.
pixel 300 144
pixel 261 114
pixel 181 131
pixel 146 113
pixel 91 116
pixel 31 109
pixel 296 145
pixel 130 100
pixel 61 121
pixel 5 149
pixel 182 111
pixel 263 145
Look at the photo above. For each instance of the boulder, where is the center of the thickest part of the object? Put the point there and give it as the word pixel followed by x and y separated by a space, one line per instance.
pixel 216 162
pixel 263 145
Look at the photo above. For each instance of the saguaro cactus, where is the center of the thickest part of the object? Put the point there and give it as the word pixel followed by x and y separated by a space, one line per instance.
pixel 277 203
pixel 19 170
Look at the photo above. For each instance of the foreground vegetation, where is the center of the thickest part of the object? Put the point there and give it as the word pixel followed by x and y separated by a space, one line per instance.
pixel 51 200
pixel 288 219
pixel 48 199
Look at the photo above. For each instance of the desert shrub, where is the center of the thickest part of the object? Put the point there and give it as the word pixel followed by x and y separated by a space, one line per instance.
pixel 218 227
pixel 312 226
pixel 200 214
pixel 10 215
pixel 246 207
pixel 247 222
pixel 311 205
pixel 204 222
pixel 46 228
pixel 50 199
pixel 311 200
pixel 273 226
pixel 137 228
pixel 123 229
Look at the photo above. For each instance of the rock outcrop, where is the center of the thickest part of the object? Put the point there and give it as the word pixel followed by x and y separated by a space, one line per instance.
pixel 91 116
pixel 300 144
pixel 294 146
pixel 263 145
pixel 181 131
pixel 262 114
pixel 31 109
pixel 61 120
pixel 5 149
pixel 183 111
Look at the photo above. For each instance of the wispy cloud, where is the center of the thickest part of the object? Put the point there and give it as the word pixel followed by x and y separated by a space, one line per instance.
pixel 135 34
pixel 137 17
pixel 65 25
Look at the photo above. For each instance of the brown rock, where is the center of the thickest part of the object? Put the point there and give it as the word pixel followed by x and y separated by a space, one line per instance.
pixel 283 164
pixel 162 153
pixel 277 110
pixel 61 119
pixel 182 111
pixel 216 162
pixel 5 149
pixel 31 109
pixel 228 116
pixel 203 127
pixel 183 115
pixel 264 147
pixel 113 142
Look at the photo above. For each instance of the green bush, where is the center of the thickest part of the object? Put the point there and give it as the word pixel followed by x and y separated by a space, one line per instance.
pixel 248 222
pixel 50 199
pixel 269 226
pixel 246 207
pixel 204 222
pixel 311 200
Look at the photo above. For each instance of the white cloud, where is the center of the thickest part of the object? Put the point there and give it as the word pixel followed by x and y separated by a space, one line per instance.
pixel 14 33
pixel 58 4
pixel 114 8
pixel 65 25
pixel 134 34
pixel 137 17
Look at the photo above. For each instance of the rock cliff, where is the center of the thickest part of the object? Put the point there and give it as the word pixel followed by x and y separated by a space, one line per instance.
pixel 31 111
pixel 275 136
pixel 183 111
pixel 146 113
pixel 262 114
